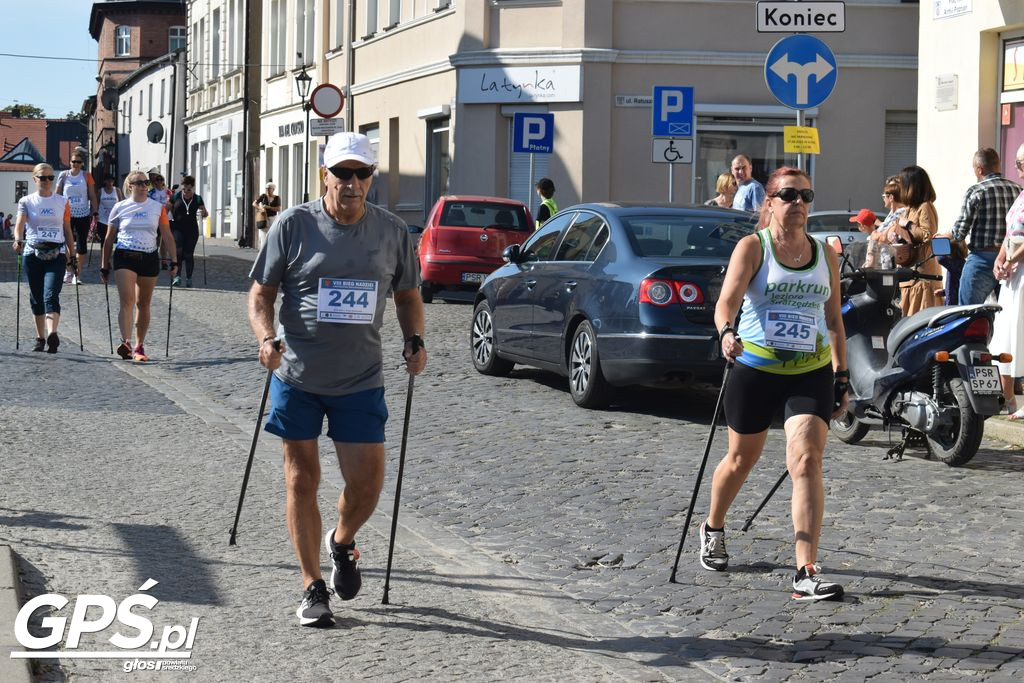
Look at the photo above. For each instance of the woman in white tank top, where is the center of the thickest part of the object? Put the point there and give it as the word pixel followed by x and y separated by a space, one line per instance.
pixel 792 357
pixel 108 196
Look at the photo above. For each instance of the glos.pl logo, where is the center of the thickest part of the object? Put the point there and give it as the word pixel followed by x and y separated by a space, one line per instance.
pixel 174 643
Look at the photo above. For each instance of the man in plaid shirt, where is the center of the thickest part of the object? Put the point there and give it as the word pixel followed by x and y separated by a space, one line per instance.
pixel 983 217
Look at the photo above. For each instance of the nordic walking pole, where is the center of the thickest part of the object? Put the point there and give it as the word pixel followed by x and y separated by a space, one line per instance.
pixel 78 304
pixel 170 298
pixel 416 342
pixel 110 327
pixel 203 233
pixel 700 473
pixel 17 315
pixel 766 499
pixel 252 449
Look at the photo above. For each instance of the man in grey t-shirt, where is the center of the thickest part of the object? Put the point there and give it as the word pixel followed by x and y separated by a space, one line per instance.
pixel 334 260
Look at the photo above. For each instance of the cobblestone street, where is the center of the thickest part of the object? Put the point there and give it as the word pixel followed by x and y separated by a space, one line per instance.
pixel 535 538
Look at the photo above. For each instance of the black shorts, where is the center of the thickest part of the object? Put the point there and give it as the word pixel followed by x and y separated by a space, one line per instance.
pixel 753 397
pixel 142 263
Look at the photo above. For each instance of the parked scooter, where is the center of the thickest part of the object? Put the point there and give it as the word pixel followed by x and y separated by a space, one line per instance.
pixel 930 373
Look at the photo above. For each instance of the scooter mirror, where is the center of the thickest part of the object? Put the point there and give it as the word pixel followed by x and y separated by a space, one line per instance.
pixel 941 246
pixel 835 242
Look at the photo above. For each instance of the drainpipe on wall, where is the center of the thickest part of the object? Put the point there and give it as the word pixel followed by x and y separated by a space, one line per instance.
pixel 350 67
pixel 245 238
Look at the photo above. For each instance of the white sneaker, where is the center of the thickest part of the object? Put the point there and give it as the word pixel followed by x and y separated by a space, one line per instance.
pixel 712 549
pixel 67 277
pixel 74 279
pixel 808 585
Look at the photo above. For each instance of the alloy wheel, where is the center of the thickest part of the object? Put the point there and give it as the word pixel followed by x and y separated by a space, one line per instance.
pixel 483 337
pixel 580 363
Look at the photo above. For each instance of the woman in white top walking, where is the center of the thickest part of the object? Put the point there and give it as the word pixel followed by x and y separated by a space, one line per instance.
pixel 131 246
pixel 77 185
pixel 43 236
pixel 108 197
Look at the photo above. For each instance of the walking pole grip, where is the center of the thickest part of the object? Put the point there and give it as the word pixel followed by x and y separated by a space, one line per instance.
pixel 252 450
pixel 700 473
pixel 416 345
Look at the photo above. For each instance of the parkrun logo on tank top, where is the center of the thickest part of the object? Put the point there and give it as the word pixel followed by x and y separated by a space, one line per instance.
pixel 793 294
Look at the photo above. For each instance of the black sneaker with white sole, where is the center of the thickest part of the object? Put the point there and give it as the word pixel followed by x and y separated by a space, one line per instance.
pixel 712 549
pixel 345 576
pixel 315 608
pixel 808 585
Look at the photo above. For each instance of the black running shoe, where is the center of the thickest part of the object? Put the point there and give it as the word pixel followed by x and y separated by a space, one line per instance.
pixel 345 577
pixel 40 344
pixel 315 608
pixel 808 585
pixel 712 549
pixel 52 342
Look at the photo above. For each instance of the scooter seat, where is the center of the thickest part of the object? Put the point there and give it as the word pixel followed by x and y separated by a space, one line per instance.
pixel 928 317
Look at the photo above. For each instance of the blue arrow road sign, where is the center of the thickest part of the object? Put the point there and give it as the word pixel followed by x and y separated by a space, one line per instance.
pixel 672 109
pixel 533 133
pixel 801 71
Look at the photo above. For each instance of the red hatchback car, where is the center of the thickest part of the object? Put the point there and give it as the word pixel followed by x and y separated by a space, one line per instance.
pixel 464 238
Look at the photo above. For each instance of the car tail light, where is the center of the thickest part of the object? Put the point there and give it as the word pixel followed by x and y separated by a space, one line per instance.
pixel 689 293
pixel 659 292
pixel 978 330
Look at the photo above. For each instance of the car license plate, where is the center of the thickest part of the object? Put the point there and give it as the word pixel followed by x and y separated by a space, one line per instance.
pixel 984 380
pixel 473 277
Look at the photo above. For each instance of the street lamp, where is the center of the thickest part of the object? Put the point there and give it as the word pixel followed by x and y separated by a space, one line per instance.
pixel 302 83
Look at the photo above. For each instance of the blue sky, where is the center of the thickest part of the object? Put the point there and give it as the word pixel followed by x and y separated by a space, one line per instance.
pixel 53 28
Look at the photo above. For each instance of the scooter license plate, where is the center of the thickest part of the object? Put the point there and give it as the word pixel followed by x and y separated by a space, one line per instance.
pixel 984 380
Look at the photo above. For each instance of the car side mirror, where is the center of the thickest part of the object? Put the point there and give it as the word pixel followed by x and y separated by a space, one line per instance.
pixel 941 246
pixel 835 242
pixel 415 229
pixel 512 254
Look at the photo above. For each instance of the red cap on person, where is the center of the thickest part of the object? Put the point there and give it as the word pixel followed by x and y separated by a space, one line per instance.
pixel 864 217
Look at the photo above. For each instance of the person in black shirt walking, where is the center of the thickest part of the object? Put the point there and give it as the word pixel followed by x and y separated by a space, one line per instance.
pixel 187 207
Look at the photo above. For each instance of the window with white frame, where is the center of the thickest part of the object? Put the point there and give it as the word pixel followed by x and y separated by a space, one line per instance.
pixel 394 13
pixel 304 29
pixel 175 38
pixel 339 23
pixel 229 56
pixel 193 58
pixel 149 105
pixel 123 41
pixel 278 15
pixel 141 113
pixel 215 48
pixel 199 52
pixel 371 18
pixel 163 95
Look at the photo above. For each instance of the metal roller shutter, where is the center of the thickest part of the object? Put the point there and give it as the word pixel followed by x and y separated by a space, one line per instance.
pixel 900 142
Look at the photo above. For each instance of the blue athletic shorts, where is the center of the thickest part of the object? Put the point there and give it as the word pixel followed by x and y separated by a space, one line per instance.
pixel 298 415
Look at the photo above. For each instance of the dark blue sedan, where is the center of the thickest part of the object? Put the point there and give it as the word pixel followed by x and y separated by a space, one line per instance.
pixel 610 295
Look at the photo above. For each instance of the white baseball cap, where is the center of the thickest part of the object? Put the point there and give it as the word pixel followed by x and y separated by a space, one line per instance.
pixel 348 147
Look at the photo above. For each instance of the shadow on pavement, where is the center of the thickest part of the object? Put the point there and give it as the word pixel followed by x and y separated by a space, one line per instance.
pixel 42 519
pixel 33 583
pixel 160 552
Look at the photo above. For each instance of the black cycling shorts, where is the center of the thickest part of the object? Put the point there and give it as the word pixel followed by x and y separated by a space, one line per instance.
pixel 753 397
pixel 80 229
pixel 142 263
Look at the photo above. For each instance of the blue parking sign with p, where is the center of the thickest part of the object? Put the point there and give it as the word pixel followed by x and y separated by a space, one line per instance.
pixel 533 133
pixel 672 108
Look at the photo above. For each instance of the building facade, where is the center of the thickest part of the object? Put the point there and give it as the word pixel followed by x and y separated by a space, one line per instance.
pixel 27 142
pixel 435 84
pixel 222 109
pixel 151 132
pixel 129 33
pixel 976 90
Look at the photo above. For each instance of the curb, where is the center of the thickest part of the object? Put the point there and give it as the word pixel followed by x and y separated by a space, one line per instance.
pixel 1002 429
pixel 11 670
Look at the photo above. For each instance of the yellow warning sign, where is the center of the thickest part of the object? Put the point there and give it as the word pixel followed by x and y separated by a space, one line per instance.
pixel 801 140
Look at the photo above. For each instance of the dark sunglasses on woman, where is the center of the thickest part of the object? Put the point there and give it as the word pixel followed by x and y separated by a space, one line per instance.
pixel 48 178
pixel 344 173
pixel 789 195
